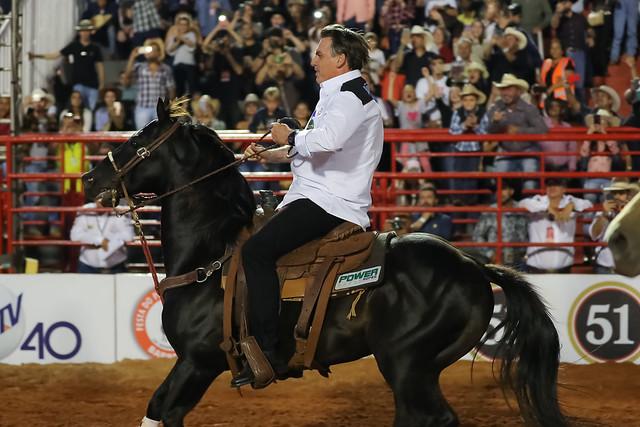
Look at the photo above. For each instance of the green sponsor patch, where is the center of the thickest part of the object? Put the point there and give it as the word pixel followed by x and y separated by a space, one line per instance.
pixel 358 278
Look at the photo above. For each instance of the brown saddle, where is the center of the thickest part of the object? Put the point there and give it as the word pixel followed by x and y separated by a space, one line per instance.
pixel 346 260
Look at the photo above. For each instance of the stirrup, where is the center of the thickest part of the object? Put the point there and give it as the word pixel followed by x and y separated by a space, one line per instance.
pixel 258 364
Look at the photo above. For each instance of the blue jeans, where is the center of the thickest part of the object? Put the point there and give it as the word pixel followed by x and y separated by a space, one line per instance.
pixel 626 12
pixel 595 184
pixel 518 164
pixel 87 269
pixel 89 95
pixel 144 115
pixel 580 59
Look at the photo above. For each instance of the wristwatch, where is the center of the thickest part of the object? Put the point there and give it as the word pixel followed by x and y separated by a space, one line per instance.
pixel 291 139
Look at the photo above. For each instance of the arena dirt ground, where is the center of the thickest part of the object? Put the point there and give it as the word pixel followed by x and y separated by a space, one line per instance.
pixel 355 395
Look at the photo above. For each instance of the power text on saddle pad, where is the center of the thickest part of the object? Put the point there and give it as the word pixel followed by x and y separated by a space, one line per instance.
pixel 358 278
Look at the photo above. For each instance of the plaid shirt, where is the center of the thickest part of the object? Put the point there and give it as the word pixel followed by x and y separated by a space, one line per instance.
pixel 145 16
pixel 514 229
pixel 152 86
pixel 457 128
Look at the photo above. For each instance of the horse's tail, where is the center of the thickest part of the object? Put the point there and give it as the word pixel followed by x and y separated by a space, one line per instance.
pixel 529 349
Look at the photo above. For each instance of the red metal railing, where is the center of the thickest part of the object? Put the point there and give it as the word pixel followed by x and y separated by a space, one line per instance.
pixel 384 191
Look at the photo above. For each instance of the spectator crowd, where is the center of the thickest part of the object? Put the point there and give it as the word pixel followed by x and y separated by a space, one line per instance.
pixel 473 66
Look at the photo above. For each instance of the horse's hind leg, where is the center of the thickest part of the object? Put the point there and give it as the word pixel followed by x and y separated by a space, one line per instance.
pixel 418 399
pixel 188 383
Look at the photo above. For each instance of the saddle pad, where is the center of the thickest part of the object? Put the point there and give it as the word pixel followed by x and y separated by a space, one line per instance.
pixel 364 274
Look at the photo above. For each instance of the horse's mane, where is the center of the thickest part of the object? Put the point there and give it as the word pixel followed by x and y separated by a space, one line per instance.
pixel 177 107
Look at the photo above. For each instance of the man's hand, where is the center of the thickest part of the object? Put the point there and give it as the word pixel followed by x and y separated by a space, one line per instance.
pixel 280 133
pixel 609 207
pixel 498 116
pixel 264 156
pixel 105 244
pixel 564 214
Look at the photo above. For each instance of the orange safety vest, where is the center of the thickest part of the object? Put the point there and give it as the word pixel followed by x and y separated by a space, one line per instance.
pixel 558 75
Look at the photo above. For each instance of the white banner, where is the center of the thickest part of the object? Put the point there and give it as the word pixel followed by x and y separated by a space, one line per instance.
pixel 597 316
pixel 138 314
pixel 49 318
pixel 99 318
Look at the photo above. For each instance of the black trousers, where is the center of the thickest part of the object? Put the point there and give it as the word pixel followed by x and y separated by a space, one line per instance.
pixel 292 226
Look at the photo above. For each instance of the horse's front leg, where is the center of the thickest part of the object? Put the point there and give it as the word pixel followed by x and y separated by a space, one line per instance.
pixel 180 392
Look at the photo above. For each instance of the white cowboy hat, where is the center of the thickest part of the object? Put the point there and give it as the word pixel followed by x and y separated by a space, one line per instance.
pixel 522 39
pixel 511 80
pixel 477 66
pixel 604 114
pixel 470 89
pixel 621 186
pixel 612 93
pixel 418 30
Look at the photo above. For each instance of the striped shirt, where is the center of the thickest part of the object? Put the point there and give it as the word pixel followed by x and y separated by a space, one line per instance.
pixel 152 85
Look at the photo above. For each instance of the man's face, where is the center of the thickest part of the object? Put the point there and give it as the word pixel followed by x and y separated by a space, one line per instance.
pixel 276 42
pixel 437 66
pixel 427 199
pixel 603 100
pixel 555 190
pixel 84 35
pixel 469 102
pixel 417 41
pixel 271 104
pixel 325 65
pixel 474 76
pixel 464 50
pixel 507 194
pixel 510 94
pixel 621 197
pixel 510 42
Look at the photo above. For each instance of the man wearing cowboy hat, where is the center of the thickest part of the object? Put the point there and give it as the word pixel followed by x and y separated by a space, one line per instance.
pixel 511 115
pixel 606 98
pixel 467 120
pixel 617 195
pixel 85 59
pixel 153 77
pixel 509 57
pixel 411 60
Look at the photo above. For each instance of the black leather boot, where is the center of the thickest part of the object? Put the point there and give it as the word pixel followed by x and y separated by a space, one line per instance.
pixel 244 377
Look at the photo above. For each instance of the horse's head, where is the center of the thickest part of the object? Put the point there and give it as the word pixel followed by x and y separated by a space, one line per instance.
pixel 623 238
pixel 149 162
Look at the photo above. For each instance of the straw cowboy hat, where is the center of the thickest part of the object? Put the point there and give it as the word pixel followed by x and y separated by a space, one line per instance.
pixel 85 25
pixel 511 80
pixel 477 66
pixel 418 30
pixel 612 94
pixel 619 185
pixel 604 116
pixel 159 43
pixel 522 39
pixel 470 89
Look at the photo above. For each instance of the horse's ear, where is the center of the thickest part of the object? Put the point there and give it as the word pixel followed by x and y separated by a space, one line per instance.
pixel 162 111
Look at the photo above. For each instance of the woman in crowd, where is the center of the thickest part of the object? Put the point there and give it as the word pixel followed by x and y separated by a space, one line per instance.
pixel 77 108
pixel 110 115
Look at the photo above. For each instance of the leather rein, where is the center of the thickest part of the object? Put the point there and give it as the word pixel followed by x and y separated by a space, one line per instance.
pixel 200 274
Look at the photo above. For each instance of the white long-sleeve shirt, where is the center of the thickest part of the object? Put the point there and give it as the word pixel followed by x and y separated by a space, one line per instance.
pixel 542 230
pixel 604 257
pixel 338 152
pixel 93 228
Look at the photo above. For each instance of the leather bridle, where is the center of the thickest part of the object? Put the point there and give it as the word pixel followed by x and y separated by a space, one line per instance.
pixel 144 153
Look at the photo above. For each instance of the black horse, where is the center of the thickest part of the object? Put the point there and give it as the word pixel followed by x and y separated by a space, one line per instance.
pixel 433 308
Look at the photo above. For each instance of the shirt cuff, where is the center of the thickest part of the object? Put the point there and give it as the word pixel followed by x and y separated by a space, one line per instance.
pixel 301 143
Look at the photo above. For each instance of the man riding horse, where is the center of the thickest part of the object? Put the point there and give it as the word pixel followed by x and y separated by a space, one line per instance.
pixel 332 160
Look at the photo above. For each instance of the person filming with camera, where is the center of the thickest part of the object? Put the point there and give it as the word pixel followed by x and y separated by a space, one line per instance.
pixel 616 197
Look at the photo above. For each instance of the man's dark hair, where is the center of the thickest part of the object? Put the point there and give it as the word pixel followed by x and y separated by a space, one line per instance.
pixel 348 43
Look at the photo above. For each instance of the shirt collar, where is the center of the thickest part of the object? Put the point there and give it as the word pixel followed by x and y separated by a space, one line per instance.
pixel 333 84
